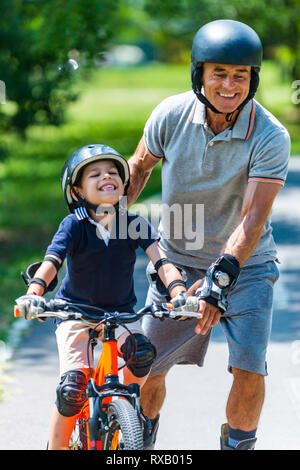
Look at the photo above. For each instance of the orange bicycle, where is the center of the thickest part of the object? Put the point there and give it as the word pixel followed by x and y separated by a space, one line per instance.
pixel 110 418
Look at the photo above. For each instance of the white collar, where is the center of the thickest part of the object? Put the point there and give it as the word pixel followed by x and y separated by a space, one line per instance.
pixel 102 231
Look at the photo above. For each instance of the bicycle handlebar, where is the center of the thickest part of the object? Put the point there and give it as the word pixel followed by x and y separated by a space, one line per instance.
pixel 64 310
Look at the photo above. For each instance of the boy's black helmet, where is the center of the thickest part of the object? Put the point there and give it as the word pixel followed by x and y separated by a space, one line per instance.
pixel 84 156
pixel 225 42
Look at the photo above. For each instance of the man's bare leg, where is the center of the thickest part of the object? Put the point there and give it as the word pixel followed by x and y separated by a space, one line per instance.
pixel 153 395
pixel 245 400
pixel 243 410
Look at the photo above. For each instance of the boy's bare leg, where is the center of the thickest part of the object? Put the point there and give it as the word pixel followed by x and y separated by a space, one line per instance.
pixel 60 430
pixel 61 427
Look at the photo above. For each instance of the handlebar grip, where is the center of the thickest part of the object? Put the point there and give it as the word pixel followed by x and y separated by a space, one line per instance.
pixel 17 311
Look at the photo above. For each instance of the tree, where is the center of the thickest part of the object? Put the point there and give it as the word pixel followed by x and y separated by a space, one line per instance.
pixel 276 21
pixel 38 42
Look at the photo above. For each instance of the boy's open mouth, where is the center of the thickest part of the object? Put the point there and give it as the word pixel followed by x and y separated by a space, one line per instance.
pixel 108 187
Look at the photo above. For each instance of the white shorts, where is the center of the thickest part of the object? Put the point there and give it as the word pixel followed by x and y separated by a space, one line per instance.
pixel 72 340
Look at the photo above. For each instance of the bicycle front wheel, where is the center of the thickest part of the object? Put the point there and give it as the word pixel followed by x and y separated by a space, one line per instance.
pixel 124 428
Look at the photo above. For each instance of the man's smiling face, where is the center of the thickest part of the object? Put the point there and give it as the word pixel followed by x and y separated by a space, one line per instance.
pixel 226 86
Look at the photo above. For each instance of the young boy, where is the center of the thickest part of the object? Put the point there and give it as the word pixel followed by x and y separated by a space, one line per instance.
pixel 99 239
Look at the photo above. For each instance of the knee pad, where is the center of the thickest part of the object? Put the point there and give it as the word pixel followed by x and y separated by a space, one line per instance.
pixel 145 353
pixel 71 393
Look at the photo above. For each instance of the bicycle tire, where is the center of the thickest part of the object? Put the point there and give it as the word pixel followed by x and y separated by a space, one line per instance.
pixel 124 429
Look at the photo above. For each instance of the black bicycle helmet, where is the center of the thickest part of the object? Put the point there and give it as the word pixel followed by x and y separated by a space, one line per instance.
pixel 78 160
pixel 225 42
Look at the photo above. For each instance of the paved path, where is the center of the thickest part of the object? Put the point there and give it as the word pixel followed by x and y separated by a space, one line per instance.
pixel 31 380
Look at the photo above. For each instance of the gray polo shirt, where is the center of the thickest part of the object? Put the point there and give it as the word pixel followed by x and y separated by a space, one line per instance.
pixel 204 176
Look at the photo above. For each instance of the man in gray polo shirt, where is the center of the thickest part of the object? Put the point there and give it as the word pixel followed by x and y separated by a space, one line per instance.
pixel 226 157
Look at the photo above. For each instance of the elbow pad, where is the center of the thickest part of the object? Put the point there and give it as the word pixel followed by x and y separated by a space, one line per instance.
pixel 32 269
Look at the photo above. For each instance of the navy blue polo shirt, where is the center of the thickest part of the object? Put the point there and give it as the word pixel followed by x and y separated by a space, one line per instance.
pixel 98 274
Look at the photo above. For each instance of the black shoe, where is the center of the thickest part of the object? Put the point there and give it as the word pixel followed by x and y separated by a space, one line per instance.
pixel 150 432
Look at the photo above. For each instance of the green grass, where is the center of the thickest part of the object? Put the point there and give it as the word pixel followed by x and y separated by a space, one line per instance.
pixel 113 107
pixel 275 93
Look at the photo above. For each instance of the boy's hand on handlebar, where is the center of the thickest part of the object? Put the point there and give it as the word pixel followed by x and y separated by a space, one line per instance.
pixel 185 303
pixel 31 306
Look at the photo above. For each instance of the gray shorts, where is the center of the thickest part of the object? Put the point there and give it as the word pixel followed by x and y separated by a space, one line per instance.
pixel 246 323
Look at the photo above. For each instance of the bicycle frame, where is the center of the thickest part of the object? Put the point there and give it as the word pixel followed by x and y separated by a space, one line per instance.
pixel 101 389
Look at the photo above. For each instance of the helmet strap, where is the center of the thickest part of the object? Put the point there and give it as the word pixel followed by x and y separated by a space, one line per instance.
pixel 228 116
pixel 81 202
pixel 204 100
pixel 197 87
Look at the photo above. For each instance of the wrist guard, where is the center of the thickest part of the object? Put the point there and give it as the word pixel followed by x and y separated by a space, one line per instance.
pixel 220 279
pixel 177 282
pixel 29 278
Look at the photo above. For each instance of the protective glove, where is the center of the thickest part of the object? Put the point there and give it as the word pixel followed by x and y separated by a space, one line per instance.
pixel 185 303
pixel 31 306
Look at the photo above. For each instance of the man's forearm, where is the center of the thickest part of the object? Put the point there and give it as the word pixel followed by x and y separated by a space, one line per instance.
pixel 138 180
pixel 140 165
pixel 243 241
pixel 257 204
